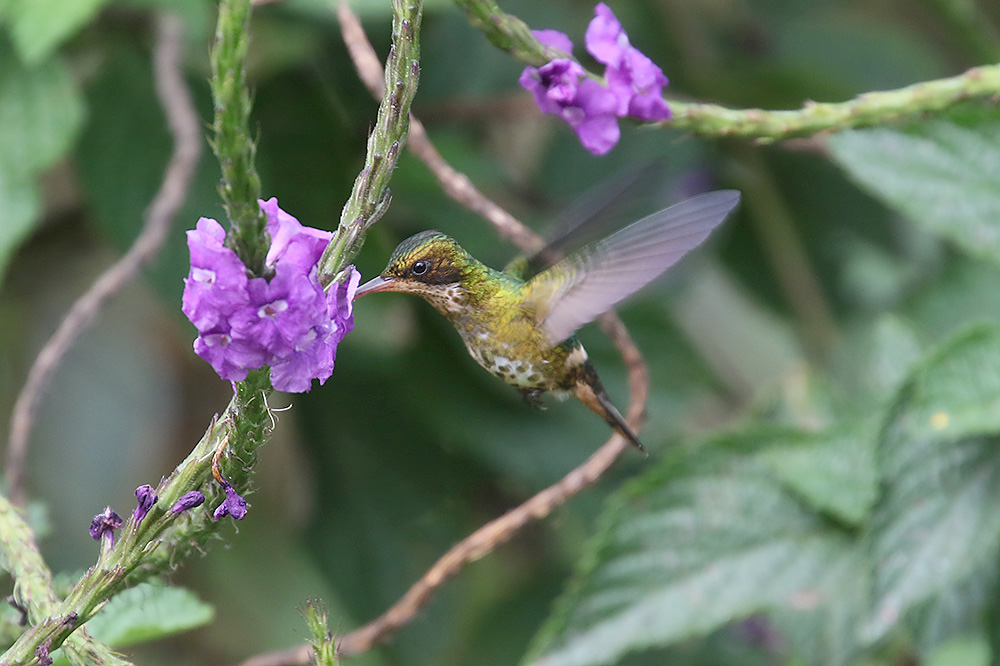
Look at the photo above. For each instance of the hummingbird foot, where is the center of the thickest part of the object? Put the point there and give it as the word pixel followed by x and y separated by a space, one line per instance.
pixel 533 397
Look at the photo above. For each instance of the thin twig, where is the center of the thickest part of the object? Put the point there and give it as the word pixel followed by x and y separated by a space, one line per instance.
pixel 185 128
pixel 500 530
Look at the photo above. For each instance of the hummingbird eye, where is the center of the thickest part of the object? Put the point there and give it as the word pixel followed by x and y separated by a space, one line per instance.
pixel 420 267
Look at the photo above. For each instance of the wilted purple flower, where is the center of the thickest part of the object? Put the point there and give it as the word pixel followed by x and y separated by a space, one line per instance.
pixel 146 497
pixel 233 505
pixel 633 83
pixel 187 501
pixel 104 525
pixel 285 322
pixel 42 654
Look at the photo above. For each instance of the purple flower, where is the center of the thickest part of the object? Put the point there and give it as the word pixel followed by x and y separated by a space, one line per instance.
pixel 635 80
pixel 292 243
pixel 286 322
pixel 589 108
pixel 104 524
pixel 633 83
pixel 188 501
pixel 233 505
pixel 146 497
pixel 216 285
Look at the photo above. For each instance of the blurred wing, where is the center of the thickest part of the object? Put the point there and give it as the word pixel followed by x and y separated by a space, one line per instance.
pixel 582 286
pixel 610 205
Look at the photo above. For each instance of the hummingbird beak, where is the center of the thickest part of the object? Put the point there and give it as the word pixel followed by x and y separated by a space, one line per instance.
pixel 375 284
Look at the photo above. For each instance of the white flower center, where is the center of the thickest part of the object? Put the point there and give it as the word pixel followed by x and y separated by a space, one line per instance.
pixel 272 309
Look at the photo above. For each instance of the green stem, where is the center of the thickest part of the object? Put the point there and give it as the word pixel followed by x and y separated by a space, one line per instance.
pixel 323 644
pixel 370 197
pixel 867 109
pixel 233 143
pixel 141 551
pixel 33 589
pixel 874 108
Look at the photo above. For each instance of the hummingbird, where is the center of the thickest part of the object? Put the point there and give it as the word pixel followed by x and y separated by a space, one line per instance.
pixel 519 326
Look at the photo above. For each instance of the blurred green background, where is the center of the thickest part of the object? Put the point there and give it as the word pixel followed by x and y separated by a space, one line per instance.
pixel 803 310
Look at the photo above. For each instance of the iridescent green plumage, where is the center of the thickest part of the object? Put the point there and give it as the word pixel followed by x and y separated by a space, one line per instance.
pixel 521 330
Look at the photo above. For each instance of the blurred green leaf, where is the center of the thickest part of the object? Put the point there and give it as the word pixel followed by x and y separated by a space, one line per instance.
pixel 38 27
pixel 124 149
pixel 146 612
pixel 20 211
pixel 939 172
pixel 938 518
pixel 833 471
pixel 961 651
pixel 40 114
pixel 690 546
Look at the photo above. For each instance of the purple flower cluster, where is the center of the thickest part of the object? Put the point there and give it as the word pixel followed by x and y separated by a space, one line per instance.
pixel 633 84
pixel 286 322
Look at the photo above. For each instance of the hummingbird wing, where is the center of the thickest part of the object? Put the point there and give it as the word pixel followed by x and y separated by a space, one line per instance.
pixel 588 283
pixel 610 205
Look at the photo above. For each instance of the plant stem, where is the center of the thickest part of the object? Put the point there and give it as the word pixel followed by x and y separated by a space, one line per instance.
pixel 33 591
pixel 233 144
pixel 873 108
pixel 370 197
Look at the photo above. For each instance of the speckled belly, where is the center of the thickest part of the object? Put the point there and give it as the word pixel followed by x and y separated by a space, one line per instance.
pixel 546 371
pixel 516 372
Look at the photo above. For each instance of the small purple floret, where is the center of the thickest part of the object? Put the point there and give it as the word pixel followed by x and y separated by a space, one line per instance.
pixel 42 654
pixel 146 497
pixel 633 84
pixel 104 525
pixel 234 505
pixel 188 501
pixel 286 321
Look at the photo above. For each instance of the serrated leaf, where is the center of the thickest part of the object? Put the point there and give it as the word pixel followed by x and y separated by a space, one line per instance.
pixel 833 471
pixel 146 612
pixel 939 517
pixel 690 547
pixel 939 172
pixel 38 27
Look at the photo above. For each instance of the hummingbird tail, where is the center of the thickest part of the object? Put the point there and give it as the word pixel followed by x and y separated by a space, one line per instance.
pixel 591 393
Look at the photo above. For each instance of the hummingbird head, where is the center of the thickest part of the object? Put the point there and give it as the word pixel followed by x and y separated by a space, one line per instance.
pixel 428 263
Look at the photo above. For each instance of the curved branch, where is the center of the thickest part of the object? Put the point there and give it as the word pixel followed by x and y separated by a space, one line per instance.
pixel 185 128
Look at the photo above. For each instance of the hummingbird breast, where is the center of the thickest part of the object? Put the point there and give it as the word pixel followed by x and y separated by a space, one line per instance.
pixel 505 340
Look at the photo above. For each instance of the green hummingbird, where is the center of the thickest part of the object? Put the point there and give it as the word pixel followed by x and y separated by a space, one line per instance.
pixel 520 326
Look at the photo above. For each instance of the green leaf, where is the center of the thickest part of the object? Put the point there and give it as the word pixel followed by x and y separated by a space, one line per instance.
pixel 146 612
pixel 938 172
pixel 40 114
pixel 20 211
pixel 833 471
pixel 689 547
pixel 38 27
pixel 939 516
